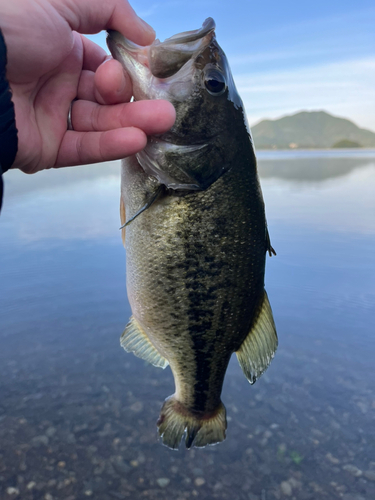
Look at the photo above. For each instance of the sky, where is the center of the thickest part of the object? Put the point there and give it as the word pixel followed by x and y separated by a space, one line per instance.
pixel 286 56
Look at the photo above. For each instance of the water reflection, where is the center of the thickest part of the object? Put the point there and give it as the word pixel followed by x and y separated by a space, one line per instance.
pixel 77 415
pixel 74 203
pixel 311 169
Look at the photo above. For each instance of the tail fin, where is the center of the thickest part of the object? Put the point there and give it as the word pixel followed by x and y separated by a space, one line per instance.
pixel 200 430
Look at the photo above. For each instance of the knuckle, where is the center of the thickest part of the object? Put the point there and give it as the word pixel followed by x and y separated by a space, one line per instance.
pixel 96 116
pixel 80 149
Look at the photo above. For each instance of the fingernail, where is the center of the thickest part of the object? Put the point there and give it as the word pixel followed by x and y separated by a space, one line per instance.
pixel 146 26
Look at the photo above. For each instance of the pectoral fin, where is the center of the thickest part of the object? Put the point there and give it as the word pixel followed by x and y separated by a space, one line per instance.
pixel 269 247
pixel 260 345
pixel 123 220
pixel 135 340
pixel 152 198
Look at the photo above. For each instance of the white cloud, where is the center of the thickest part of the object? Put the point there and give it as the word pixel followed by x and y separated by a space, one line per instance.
pixel 342 88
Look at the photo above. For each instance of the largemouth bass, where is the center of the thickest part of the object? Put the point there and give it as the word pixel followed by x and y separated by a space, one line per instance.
pixel 196 234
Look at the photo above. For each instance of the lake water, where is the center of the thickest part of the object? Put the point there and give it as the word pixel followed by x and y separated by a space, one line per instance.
pixel 78 415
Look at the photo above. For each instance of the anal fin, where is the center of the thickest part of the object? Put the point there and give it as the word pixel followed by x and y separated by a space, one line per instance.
pixel 135 340
pixel 259 347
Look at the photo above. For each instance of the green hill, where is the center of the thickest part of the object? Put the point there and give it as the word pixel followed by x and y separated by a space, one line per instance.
pixel 346 144
pixel 311 130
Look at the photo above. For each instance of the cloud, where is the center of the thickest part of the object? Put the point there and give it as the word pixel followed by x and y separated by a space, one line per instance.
pixel 150 11
pixel 343 88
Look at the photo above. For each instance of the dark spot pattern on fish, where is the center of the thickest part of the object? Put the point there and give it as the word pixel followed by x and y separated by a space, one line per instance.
pixel 203 282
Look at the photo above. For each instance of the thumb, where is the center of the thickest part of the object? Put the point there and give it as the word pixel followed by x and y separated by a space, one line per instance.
pixel 92 16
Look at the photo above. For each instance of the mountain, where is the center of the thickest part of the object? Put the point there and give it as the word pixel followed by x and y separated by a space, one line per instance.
pixel 310 129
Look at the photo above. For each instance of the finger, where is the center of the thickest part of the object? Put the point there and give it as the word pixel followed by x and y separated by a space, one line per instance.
pixel 112 84
pixel 109 85
pixel 153 117
pixel 93 55
pixel 80 148
pixel 92 16
pixel 86 86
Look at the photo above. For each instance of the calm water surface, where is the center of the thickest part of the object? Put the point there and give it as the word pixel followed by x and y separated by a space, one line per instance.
pixel 78 414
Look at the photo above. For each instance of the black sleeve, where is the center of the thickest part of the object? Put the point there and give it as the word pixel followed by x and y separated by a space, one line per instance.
pixel 8 130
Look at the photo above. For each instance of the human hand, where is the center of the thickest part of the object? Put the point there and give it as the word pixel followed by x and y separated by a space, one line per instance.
pixel 50 64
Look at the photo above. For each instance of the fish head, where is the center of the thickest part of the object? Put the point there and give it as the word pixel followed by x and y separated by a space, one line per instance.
pixel 192 72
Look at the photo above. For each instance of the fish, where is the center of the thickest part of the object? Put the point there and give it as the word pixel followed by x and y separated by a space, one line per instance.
pixel 195 233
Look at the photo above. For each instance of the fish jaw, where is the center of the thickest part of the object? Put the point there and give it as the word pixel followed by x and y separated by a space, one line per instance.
pixel 134 59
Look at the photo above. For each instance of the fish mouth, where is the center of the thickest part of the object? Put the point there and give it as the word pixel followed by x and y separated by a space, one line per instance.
pixel 164 59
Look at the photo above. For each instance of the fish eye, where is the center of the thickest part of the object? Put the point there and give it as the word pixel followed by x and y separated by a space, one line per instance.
pixel 214 82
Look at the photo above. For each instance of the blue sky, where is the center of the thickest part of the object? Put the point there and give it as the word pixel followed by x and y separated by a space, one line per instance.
pixel 286 56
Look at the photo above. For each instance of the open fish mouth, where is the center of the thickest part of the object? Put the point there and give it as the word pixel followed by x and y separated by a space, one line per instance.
pixel 165 59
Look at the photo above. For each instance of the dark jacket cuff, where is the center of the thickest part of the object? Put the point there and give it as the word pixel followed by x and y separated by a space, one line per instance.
pixel 8 130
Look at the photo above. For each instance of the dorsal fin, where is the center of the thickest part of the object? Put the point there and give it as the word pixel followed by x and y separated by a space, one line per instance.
pixel 260 345
pixel 135 340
